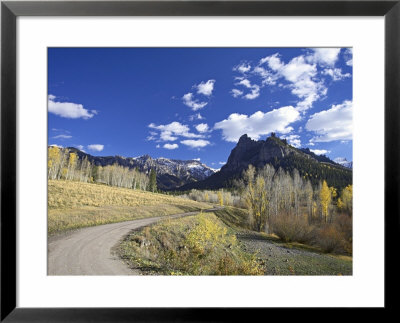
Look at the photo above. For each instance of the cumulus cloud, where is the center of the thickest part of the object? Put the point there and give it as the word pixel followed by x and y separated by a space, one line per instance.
pixel 68 109
pixel 348 56
pixel 254 89
pixel 333 124
pixel 205 88
pixel 171 132
pixel 195 143
pixel 258 124
pixel 193 103
pixel 320 151
pixel 242 68
pixel 95 147
pixel 273 61
pixel 62 137
pixel 294 140
pixel 335 73
pixel 170 146
pixel 236 93
pixel 202 127
pixel 325 56
pixel 300 74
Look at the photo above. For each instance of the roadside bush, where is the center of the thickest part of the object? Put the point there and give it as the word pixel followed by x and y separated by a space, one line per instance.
pixel 330 239
pixel 291 228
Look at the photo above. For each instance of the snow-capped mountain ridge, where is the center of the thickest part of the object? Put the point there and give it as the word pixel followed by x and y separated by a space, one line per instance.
pixel 344 162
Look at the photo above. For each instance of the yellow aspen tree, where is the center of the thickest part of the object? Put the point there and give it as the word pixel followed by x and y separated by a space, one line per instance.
pixel 347 198
pixel 220 198
pixel 340 204
pixel 325 199
pixel 53 162
pixel 333 192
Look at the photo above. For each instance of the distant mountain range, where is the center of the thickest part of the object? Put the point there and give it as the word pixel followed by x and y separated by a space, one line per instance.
pixel 171 173
pixel 278 153
pixel 344 162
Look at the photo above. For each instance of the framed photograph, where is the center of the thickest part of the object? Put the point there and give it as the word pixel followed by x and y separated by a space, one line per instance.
pixel 179 155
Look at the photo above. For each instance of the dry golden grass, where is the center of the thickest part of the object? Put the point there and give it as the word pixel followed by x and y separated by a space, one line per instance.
pixel 73 205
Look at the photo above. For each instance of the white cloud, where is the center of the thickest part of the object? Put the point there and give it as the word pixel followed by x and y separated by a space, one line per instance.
pixel 170 146
pixel 258 124
pixel 236 93
pixel 254 89
pixel 171 131
pixel 196 116
pixel 348 56
pixel 268 77
pixel 158 146
pixel 62 137
pixel 68 109
pixel 195 143
pixel 95 147
pixel 55 145
pixel 294 140
pixel 192 103
pixel 273 61
pixel 325 56
pixel 333 124
pixel 198 159
pixel 242 68
pixel 222 163
pixel 205 88
pixel 335 73
pixel 299 73
pixel 202 127
pixel 320 151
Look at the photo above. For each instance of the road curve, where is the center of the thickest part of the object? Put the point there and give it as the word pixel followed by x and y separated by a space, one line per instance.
pixel 88 251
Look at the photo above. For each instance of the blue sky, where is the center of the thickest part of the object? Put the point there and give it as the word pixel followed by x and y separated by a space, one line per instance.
pixel 190 103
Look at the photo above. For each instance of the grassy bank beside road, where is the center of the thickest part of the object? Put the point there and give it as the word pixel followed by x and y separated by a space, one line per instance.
pixel 194 245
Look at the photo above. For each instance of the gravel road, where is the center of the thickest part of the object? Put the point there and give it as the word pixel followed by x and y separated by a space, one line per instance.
pixel 88 251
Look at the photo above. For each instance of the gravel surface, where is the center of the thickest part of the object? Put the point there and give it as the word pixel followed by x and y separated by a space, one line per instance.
pixel 279 259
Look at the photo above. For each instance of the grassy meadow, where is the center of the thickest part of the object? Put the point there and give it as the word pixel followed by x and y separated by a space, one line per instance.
pixel 73 205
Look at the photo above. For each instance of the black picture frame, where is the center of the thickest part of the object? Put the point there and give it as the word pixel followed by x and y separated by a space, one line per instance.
pixel 10 10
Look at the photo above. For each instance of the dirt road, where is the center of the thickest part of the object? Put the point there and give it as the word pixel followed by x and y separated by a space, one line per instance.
pixel 88 251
